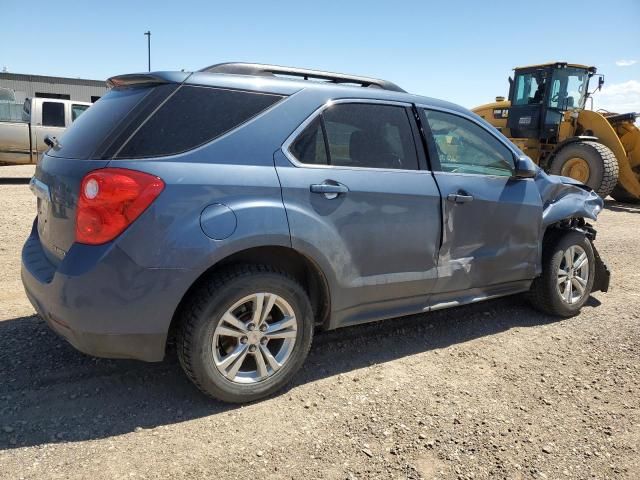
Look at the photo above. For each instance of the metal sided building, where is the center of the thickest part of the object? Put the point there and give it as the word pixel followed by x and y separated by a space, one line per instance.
pixel 34 86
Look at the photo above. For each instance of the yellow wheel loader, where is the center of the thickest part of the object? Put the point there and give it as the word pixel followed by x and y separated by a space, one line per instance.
pixel 545 116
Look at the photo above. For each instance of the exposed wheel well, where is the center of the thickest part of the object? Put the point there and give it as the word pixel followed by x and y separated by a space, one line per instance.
pixel 561 227
pixel 304 270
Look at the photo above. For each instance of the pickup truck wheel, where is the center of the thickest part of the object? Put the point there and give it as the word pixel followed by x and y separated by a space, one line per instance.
pixel 568 272
pixel 245 333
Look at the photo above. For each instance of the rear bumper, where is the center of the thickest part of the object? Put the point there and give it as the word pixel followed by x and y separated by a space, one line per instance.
pixel 102 302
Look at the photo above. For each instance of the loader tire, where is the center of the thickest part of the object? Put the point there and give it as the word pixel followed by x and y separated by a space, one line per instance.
pixel 592 163
pixel 620 194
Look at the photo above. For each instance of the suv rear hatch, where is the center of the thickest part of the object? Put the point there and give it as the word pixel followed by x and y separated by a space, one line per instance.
pixel 88 144
pixel 142 116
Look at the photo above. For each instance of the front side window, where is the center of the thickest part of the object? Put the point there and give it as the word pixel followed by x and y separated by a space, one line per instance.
pixel 77 110
pixel 53 114
pixel 465 147
pixel 359 135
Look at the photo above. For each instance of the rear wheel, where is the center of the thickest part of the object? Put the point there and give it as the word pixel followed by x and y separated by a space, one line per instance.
pixel 591 163
pixel 568 272
pixel 245 334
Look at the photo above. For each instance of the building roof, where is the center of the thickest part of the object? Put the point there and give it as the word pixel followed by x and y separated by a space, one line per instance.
pixel 24 77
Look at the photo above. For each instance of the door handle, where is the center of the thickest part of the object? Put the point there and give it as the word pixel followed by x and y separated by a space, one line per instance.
pixel 459 198
pixel 329 188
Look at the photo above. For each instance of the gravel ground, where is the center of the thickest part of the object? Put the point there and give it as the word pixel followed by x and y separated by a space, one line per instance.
pixel 495 390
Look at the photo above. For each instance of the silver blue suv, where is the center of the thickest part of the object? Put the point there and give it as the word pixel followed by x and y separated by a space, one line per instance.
pixel 242 207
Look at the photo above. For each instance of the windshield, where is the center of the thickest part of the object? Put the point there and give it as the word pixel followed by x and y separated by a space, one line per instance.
pixel 568 88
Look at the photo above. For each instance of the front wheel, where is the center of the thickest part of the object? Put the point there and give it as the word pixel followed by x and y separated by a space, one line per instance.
pixel 245 333
pixel 568 272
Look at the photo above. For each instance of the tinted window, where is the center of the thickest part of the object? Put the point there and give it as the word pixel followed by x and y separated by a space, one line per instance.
pixel 194 116
pixel 360 135
pixel 309 147
pixel 370 135
pixel 53 114
pixel 77 110
pixel 92 128
pixel 465 147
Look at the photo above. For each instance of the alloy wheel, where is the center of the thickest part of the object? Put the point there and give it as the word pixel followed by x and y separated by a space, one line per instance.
pixel 254 338
pixel 573 275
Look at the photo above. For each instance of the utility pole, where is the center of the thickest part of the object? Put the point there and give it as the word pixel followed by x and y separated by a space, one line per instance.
pixel 148 34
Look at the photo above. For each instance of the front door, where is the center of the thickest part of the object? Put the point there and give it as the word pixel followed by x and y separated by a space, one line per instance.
pixel 491 220
pixel 51 122
pixel 359 204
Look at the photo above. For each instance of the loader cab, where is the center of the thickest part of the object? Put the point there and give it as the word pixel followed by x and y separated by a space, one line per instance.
pixel 541 94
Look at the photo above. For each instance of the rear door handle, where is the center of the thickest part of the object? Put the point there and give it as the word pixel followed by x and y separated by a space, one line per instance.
pixel 459 198
pixel 329 188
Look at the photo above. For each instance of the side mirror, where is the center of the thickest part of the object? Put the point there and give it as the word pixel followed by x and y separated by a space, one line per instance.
pixel 525 168
pixel 600 82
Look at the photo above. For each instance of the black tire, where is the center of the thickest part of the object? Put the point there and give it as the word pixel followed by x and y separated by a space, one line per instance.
pixel 203 313
pixel 603 165
pixel 544 294
pixel 620 194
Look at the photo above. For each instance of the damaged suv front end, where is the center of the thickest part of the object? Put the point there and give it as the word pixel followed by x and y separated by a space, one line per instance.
pixel 567 205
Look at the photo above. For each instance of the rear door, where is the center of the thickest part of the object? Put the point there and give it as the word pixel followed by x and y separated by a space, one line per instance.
pixel 359 202
pixel 491 220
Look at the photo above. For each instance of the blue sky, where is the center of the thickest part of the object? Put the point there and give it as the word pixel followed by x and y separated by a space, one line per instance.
pixel 461 51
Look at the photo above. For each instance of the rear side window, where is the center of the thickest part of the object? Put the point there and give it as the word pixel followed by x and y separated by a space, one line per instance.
pixel 53 114
pixel 194 116
pixel 359 135
pixel 150 121
pixel 310 147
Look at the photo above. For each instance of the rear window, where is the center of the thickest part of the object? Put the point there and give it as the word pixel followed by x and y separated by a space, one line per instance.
pixel 158 121
pixel 93 127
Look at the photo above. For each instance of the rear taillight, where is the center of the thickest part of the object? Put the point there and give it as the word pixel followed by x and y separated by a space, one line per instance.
pixel 110 200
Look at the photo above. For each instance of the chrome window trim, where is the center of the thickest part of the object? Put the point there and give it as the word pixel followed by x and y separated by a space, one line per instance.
pixel 483 175
pixel 286 146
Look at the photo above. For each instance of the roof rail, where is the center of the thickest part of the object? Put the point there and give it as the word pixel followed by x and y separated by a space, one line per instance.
pixel 239 68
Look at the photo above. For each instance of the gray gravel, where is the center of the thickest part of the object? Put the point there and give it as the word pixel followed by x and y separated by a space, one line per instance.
pixel 494 390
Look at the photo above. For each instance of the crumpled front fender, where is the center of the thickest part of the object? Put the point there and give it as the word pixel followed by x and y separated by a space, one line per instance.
pixel 564 197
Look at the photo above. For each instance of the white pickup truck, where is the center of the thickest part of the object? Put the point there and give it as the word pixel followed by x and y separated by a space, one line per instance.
pixel 24 142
